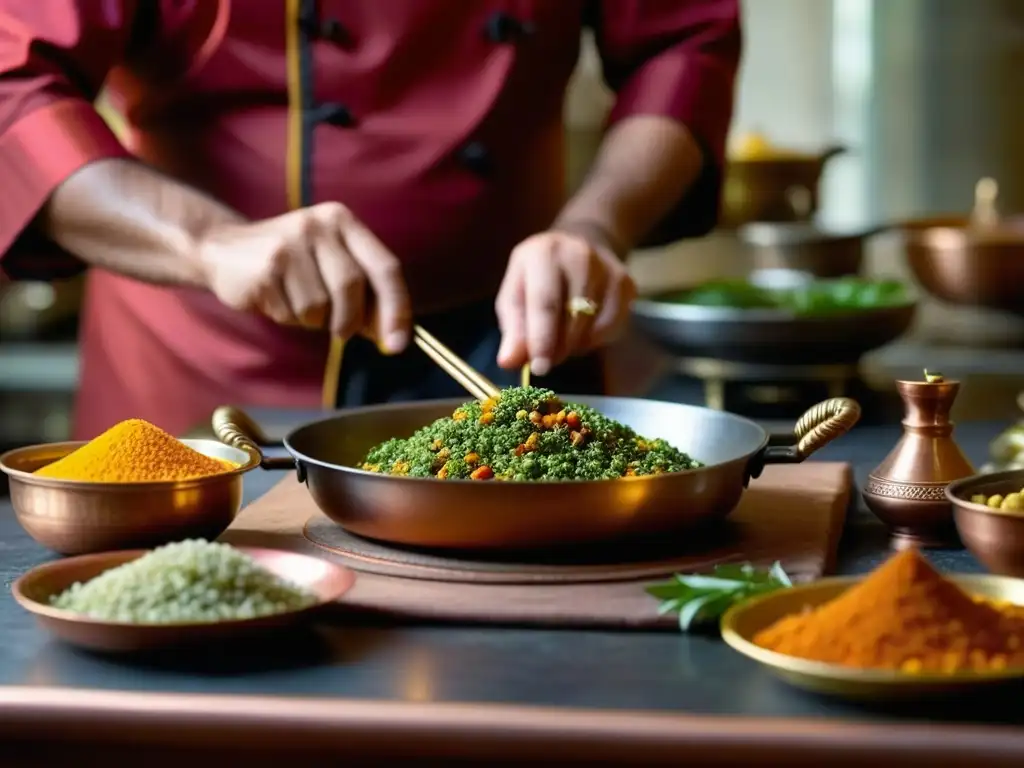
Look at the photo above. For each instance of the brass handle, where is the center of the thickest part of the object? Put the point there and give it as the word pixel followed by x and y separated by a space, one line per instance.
pixel 823 423
pixel 236 428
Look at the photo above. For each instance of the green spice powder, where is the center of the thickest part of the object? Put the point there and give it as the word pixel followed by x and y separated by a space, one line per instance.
pixel 525 433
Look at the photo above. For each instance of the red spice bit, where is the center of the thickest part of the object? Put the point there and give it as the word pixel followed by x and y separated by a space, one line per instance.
pixel 572 419
pixel 482 473
pixel 472 457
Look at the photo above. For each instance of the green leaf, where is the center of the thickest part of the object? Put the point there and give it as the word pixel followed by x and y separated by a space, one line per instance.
pixel 699 598
pixel 690 612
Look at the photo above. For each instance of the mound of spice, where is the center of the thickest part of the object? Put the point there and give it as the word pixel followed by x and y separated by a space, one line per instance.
pixel 191 581
pixel 133 451
pixel 904 616
pixel 526 433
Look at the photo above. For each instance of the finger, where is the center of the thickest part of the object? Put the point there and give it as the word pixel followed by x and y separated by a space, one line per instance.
pixel 613 315
pixel 273 302
pixel 545 310
pixel 305 290
pixel 587 278
pixel 510 307
pixel 345 284
pixel 392 306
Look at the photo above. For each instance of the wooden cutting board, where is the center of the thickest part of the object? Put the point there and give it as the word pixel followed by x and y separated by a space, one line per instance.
pixel 792 513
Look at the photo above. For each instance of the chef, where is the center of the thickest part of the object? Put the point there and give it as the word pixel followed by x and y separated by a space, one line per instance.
pixel 298 169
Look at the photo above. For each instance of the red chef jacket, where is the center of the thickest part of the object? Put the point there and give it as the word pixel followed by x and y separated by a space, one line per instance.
pixel 437 122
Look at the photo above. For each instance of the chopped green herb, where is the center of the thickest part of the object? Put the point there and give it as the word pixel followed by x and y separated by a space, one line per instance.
pixel 818 298
pixel 526 433
pixel 701 599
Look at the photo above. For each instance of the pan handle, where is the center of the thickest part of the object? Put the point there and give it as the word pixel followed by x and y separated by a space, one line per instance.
pixel 236 428
pixel 818 427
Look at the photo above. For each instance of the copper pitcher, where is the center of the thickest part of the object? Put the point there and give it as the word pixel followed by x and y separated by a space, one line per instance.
pixel 907 490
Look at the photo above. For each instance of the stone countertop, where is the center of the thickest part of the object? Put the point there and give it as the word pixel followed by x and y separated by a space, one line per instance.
pixel 439 665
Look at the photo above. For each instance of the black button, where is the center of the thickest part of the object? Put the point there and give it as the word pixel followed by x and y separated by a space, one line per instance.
pixel 332 30
pixel 477 158
pixel 335 114
pixel 503 28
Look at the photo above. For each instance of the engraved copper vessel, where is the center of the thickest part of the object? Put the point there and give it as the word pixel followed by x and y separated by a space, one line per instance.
pixel 907 491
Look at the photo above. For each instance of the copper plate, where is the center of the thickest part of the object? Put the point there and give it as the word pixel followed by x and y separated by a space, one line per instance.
pixel 33 590
pixel 744 621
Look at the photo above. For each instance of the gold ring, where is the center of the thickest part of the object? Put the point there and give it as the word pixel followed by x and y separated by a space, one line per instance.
pixel 581 305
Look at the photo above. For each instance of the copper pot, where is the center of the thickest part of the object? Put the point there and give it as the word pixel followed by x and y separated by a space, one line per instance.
pixel 957 261
pixel 781 186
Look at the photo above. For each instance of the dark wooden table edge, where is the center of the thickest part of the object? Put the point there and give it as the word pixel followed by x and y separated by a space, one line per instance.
pixel 459 731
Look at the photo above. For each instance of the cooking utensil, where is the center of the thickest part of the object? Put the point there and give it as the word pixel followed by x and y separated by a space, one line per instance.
pixel 994 536
pixel 770 335
pixel 778 186
pixel 468 515
pixel 73 517
pixel 805 246
pixel 907 491
pixel 742 623
pixel 475 383
pixel 327 580
pixel 970 261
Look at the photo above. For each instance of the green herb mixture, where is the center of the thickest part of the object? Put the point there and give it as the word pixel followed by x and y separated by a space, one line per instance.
pixel 818 298
pixel 526 433
pixel 193 581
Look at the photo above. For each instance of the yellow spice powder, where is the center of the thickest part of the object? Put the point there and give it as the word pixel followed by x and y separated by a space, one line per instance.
pixel 134 451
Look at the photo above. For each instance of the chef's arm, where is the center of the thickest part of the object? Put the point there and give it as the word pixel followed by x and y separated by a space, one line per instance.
pixel 645 166
pixel 658 174
pixel 72 195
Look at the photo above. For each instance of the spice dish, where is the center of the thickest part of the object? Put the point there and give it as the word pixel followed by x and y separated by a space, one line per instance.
pixel 78 516
pixel 36 589
pixel 747 627
pixel 993 534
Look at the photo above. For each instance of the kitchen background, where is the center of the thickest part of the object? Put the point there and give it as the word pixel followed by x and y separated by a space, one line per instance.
pixel 925 95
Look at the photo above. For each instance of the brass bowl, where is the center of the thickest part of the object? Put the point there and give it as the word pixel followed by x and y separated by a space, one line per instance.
pixel 981 268
pixel 75 518
pixel 742 623
pixel 994 536
pixel 327 580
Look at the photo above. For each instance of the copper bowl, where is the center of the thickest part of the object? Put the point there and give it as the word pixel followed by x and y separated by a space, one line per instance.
pixel 75 518
pixel 326 580
pixel 981 267
pixel 994 536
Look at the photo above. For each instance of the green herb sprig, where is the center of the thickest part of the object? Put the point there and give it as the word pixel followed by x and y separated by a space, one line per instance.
pixel 700 599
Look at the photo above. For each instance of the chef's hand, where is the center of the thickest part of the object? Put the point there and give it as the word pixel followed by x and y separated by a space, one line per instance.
pixel 563 294
pixel 310 267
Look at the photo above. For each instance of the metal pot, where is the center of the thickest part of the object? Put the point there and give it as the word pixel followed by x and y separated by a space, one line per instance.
pixel 806 247
pixel 781 186
pixel 958 261
pixel 472 515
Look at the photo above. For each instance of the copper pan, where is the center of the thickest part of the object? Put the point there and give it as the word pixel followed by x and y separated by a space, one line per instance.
pixel 975 260
pixel 474 515
pixel 781 186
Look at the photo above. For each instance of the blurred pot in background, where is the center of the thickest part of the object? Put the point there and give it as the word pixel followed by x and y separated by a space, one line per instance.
pixel 806 247
pixel 975 260
pixel 768 183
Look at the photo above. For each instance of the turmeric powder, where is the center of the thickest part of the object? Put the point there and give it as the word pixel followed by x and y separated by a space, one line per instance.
pixel 133 451
pixel 904 616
